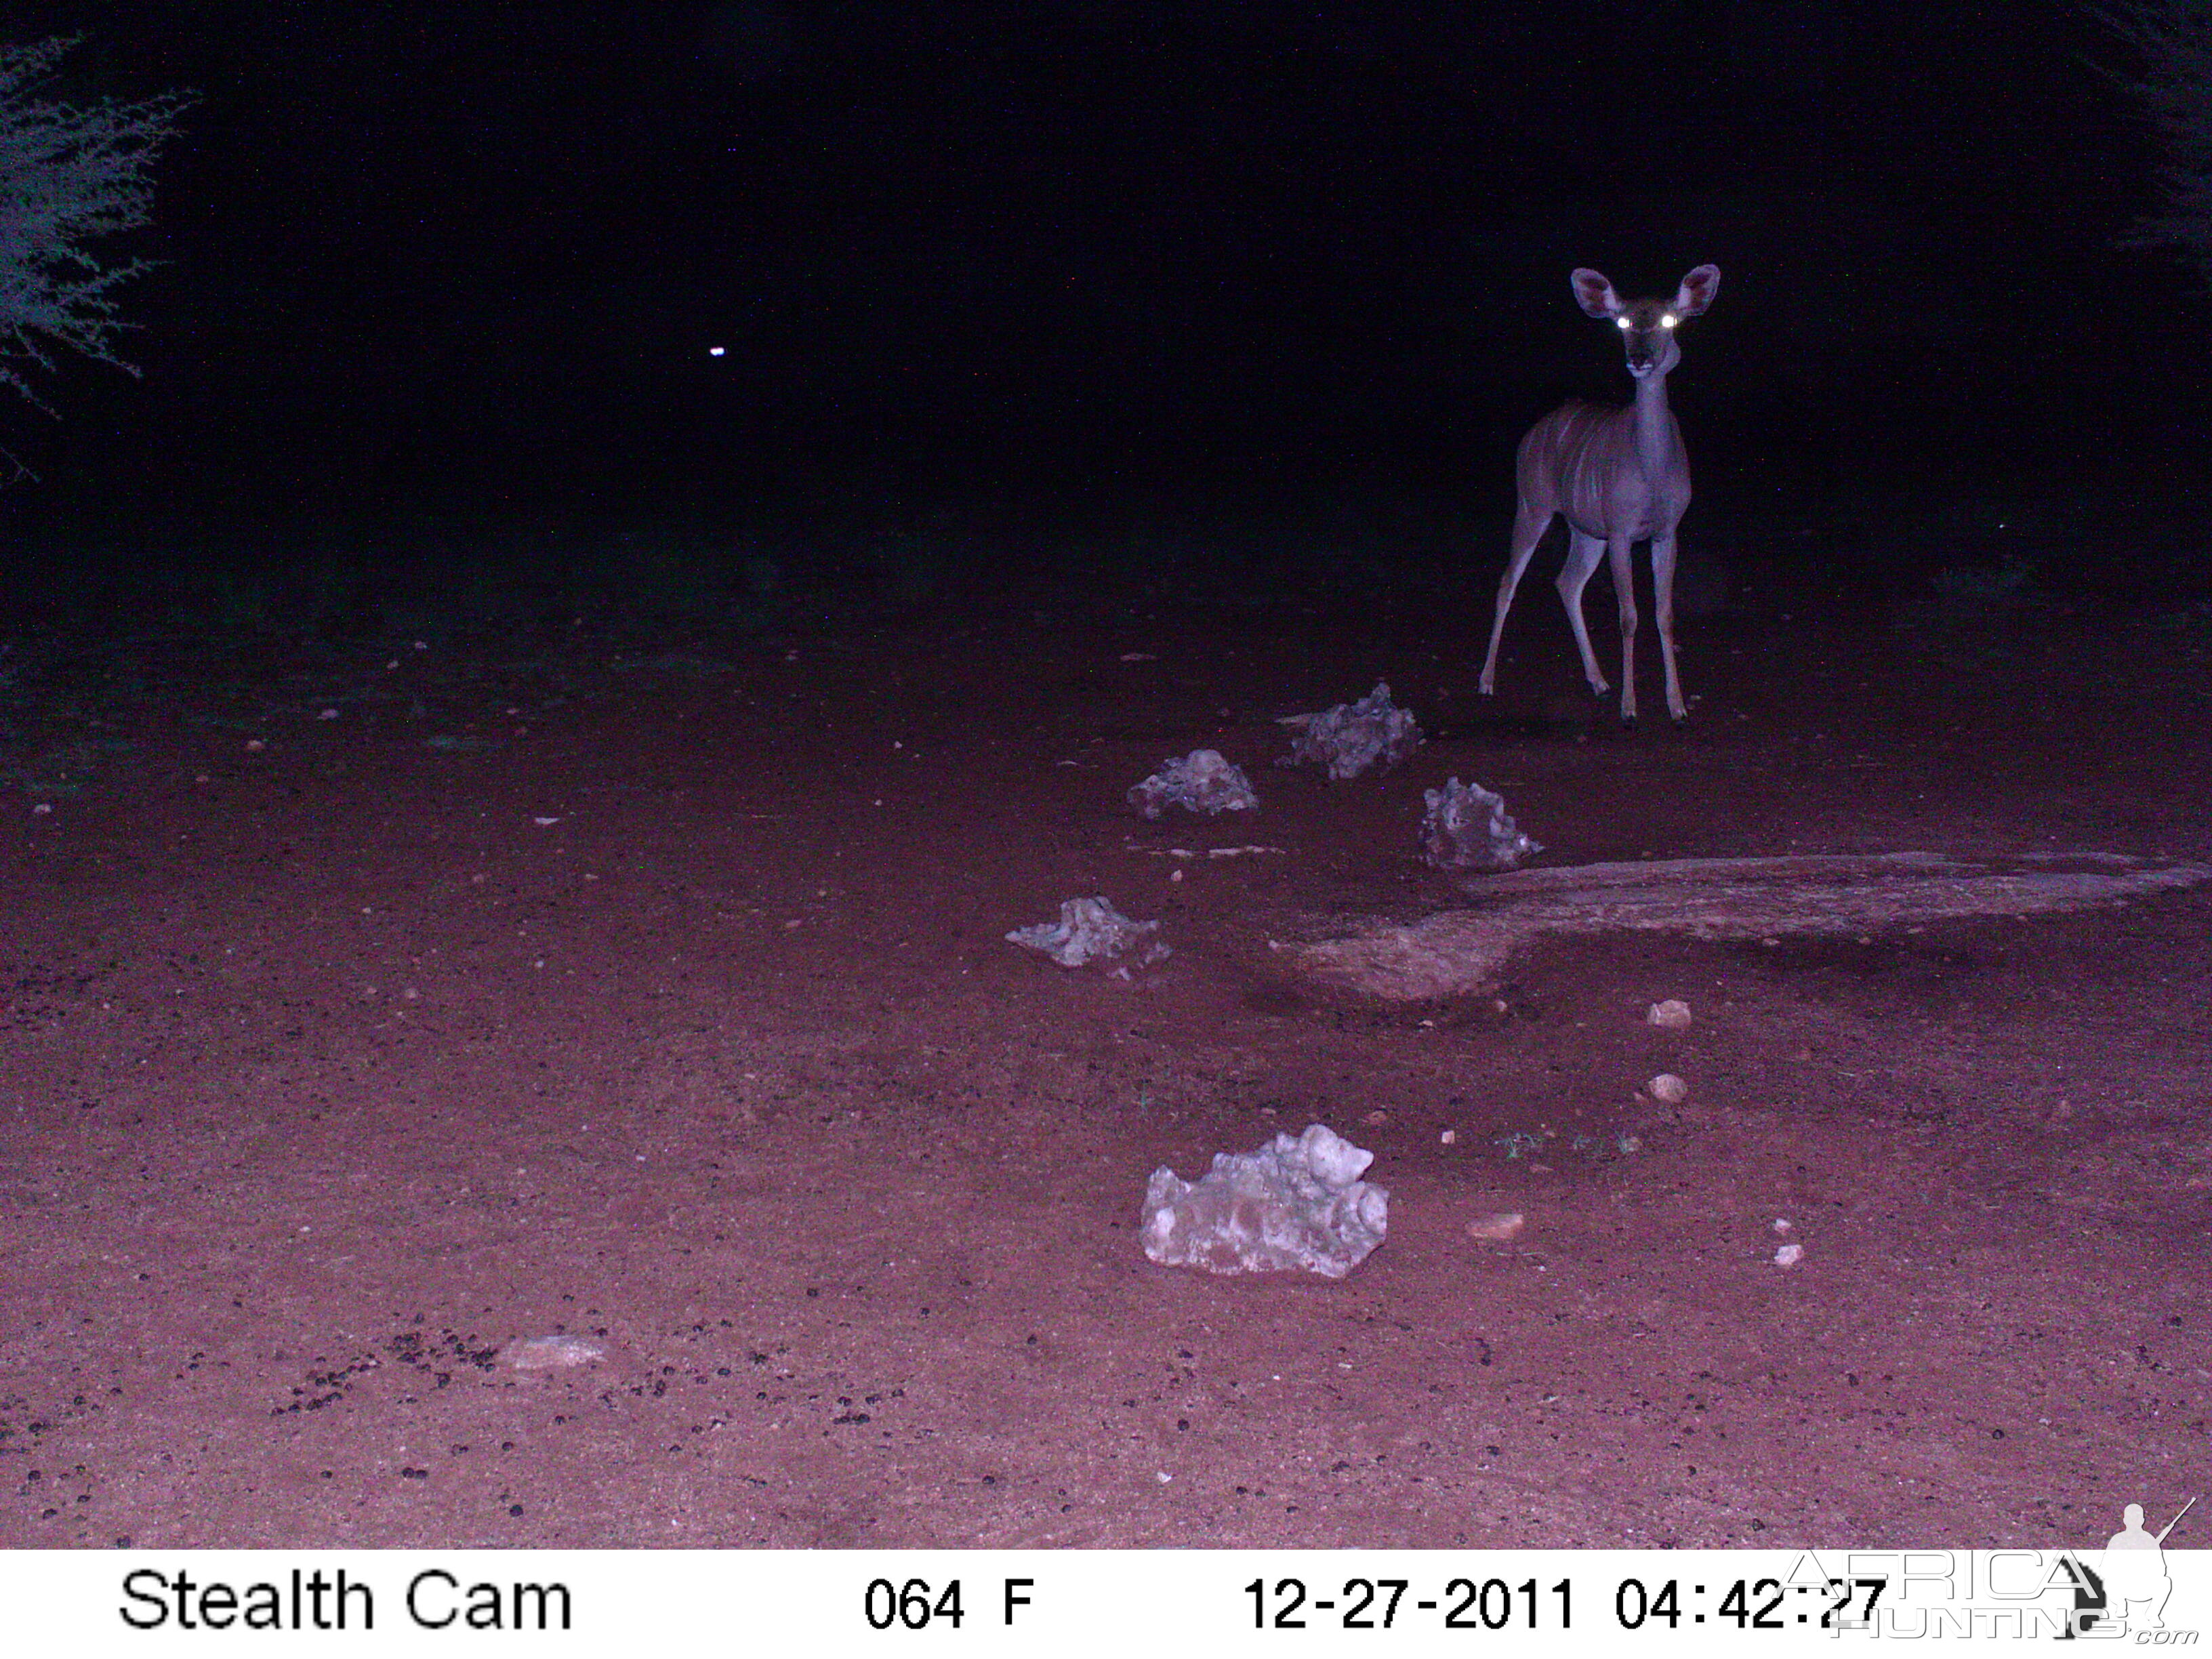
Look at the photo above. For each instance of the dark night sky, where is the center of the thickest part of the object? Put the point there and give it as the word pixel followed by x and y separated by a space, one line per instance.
pixel 421 251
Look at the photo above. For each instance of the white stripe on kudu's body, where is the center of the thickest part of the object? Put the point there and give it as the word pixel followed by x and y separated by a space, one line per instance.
pixel 1619 476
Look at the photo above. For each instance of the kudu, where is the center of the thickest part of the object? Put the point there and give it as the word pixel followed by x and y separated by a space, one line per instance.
pixel 1620 475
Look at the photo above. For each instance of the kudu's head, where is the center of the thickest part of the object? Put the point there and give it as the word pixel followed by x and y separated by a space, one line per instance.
pixel 1647 326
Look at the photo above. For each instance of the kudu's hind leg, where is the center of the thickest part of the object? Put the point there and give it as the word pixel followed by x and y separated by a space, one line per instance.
pixel 1529 528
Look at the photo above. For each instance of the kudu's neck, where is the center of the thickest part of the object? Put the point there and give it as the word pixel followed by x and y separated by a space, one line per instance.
pixel 1655 436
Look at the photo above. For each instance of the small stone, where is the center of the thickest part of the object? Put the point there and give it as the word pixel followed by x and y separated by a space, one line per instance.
pixel 539 1353
pixel 1450 1137
pixel 1667 1089
pixel 1497 1227
pixel 1673 1015
pixel 1789 1256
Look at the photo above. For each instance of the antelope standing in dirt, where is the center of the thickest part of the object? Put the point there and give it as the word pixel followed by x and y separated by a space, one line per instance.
pixel 1620 475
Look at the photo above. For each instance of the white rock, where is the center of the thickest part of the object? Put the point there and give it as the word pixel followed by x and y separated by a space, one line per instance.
pixel 1467 827
pixel 1789 1256
pixel 1204 780
pixel 1351 737
pixel 1294 1204
pixel 1672 1014
pixel 1091 928
pixel 1668 1089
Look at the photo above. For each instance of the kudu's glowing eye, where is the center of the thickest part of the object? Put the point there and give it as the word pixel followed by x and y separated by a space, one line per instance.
pixel 1623 321
pixel 1667 321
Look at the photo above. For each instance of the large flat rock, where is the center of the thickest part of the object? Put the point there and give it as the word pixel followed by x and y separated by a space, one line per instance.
pixel 1458 951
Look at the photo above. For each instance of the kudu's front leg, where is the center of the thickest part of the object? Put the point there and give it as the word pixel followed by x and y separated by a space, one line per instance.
pixel 1662 609
pixel 1583 551
pixel 1624 585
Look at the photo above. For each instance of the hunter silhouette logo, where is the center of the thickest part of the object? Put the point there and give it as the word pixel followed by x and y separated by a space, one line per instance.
pixel 2136 1584
pixel 2127 1589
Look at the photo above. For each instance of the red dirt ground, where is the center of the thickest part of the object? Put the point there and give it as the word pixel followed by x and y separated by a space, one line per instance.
pixel 674 1010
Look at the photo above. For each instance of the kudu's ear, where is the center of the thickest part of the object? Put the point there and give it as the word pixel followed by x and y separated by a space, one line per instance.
pixel 1699 289
pixel 1595 296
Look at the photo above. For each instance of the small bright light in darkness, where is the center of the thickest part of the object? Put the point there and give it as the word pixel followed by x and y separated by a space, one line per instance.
pixel 714 351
